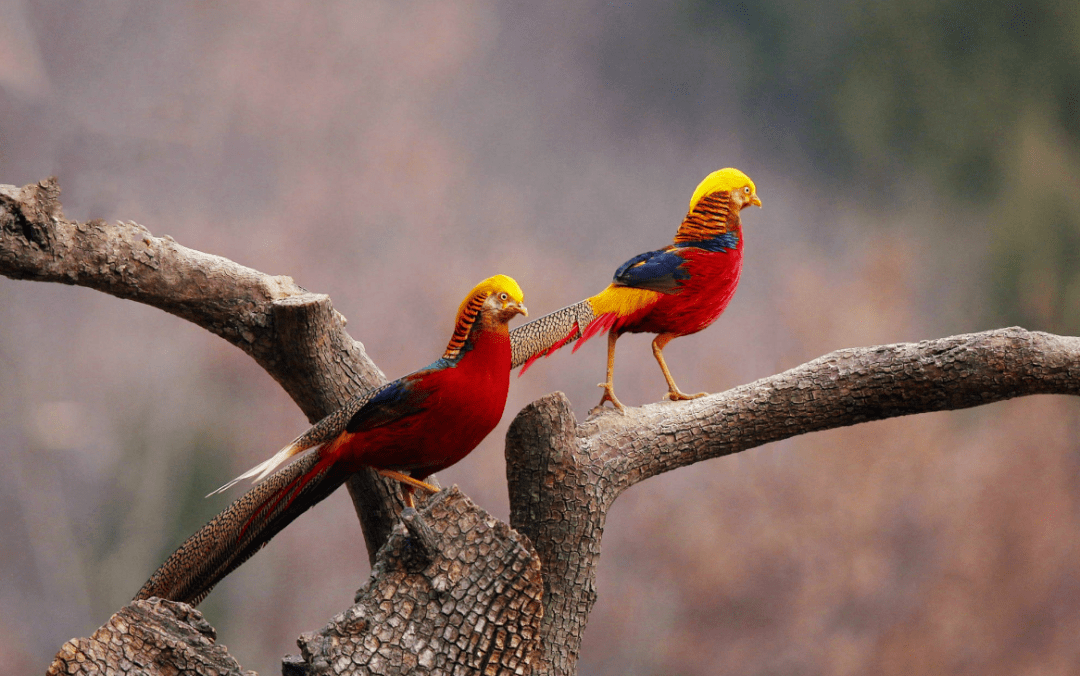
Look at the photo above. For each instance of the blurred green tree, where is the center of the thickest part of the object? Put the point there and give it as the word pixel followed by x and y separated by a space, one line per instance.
pixel 980 100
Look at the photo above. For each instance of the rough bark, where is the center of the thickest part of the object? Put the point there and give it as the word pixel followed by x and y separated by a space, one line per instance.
pixel 295 335
pixel 453 590
pixel 564 476
pixel 148 638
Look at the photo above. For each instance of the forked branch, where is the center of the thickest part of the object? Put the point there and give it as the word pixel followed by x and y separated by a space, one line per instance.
pixel 563 476
pixel 295 335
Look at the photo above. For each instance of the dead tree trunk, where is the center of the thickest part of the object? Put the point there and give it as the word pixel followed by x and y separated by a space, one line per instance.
pixel 454 590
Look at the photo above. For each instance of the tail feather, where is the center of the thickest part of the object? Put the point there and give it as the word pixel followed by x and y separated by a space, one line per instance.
pixel 574 333
pixel 244 527
pixel 318 435
pixel 265 468
pixel 602 323
pixel 547 334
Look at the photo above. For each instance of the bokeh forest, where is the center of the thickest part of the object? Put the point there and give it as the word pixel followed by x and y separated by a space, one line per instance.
pixel 918 164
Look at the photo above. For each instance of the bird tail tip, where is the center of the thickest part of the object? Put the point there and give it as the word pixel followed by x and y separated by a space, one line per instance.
pixel 602 323
pixel 555 347
pixel 263 469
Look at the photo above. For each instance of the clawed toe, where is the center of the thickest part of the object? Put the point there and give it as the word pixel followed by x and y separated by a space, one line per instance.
pixel 609 395
pixel 676 395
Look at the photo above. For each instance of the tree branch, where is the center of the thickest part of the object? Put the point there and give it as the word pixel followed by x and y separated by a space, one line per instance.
pixel 295 335
pixel 243 306
pixel 467 600
pixel 842 388
pixel 563 477
pixel 148 638
pixel 557 501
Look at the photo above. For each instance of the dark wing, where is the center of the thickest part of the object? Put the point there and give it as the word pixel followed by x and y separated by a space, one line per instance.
pixel 402 398
pixel 662 270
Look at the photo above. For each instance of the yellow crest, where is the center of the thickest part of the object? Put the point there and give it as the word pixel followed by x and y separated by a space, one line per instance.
pixel 721 179
pixel 492 285
pixel 470 308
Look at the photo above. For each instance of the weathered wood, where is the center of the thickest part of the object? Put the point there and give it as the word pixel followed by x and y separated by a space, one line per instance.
pixel 466 601
pixel 564 476
pixel 295 335
pixel 148 638
pixel 464 593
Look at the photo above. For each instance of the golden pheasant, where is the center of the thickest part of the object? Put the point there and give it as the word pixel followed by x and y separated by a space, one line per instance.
pixel 672 292
pixel 407 430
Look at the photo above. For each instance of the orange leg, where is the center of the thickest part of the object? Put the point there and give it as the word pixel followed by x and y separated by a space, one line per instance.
pixel 411 484
pixel 674 393
pixel 609 386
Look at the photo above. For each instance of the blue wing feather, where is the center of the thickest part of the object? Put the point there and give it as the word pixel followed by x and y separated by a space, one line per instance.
pixel 661 270
pixel 724 242
pixel 394 401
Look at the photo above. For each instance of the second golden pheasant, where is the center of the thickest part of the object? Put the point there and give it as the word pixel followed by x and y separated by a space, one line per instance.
pixel 672 292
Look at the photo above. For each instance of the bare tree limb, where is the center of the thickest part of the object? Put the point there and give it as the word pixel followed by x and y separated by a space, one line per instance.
pixel 563 476
pixel 243 306
pixel 842 388
pixel 464 600
pixel 148 638
pixel 467 602
pixel 557 501
pixel 295 335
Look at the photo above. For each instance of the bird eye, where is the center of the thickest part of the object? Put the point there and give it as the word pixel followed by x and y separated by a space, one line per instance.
pixel 503 296
pixel 746 190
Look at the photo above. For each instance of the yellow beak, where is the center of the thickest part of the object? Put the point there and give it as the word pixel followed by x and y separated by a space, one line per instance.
pixel 755 200
pixel 520 307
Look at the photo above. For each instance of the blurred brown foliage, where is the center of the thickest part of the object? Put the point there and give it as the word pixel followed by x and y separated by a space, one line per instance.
pixel 918 171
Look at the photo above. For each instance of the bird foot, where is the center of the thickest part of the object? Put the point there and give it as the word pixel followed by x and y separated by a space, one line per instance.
pixel 609 395
pixel 676 395
pixel 409 484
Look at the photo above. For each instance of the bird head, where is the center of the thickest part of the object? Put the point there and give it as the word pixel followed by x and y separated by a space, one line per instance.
pixel 502 298
pixel 742 190
pixel 489 307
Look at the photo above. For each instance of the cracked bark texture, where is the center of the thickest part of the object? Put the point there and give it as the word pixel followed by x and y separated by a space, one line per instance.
pixel 464 598
pixel 564 476
pixel 453 568
pixel 148 638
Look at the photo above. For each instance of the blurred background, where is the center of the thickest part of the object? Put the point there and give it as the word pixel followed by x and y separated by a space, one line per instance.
pixel 918 163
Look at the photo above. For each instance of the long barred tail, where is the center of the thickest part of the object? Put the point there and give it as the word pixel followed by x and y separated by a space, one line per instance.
pixel 234 535
pixel 263 469
pixel 547 334
pixel 326 430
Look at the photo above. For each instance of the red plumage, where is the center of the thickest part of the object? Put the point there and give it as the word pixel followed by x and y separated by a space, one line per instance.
pixel 672 292
pixel 406 430
pixel 464 403
pixel 703 297
pixel 432 418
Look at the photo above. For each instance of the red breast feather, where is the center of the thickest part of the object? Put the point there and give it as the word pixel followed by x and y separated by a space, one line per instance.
pixel 702 299
pixel 465 404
